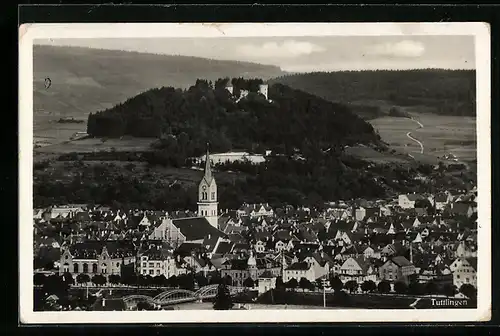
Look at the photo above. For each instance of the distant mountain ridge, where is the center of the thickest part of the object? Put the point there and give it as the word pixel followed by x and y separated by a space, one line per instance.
pixel 85 80
pixel 372 93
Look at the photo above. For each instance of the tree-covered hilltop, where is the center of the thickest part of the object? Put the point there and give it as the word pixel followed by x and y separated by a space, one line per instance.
pixel 207 112
pixel 446 92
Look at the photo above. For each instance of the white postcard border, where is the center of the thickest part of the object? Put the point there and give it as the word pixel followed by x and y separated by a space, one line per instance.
pixel 29 32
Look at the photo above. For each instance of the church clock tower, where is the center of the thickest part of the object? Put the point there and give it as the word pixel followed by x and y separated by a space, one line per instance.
pixel 207 195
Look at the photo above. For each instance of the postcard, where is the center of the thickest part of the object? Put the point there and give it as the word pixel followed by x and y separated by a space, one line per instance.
pixel 254 172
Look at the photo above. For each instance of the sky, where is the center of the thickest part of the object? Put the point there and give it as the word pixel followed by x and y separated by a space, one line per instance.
pixel 307 54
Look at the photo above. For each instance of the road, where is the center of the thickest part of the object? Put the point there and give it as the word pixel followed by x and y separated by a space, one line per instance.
pixel 412 138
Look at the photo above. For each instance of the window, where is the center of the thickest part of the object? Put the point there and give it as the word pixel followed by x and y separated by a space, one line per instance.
pixel 94 268
pixel 213 196
pixel 75 268
pixel 157 264
pixel 157 272
pixel 117 264
pixel 151 264
pixel 204 195
pixel 151 272
pixel 85 268
pixel 144 272
pixel 104 268
pixel 66 267
pixel 144 264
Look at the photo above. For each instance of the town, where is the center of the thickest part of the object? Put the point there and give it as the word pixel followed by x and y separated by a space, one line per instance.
pixel 407 248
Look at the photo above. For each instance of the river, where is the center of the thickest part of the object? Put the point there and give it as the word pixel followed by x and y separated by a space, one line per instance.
pixel 253 306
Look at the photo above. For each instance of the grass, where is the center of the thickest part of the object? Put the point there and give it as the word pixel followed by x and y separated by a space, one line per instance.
pixel 372 155
pixel 85 80
pixel 88 145
pixel 440 135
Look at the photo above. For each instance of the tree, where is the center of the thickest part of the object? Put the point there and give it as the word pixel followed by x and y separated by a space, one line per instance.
pixel 368 286
pixel 144 305
pixel 201 280
pixel 304 284
pixel 469 291
pixel 68 278
pixel 279 282
pixel 416 288
pixel 336 284
pixel 292 284
pixel 223 299
pixel 227 280
pixel 248 282
pixel 99 279
pixel 114 279
pixel 400 287
pixel 384 287
pixel 39 279
pixel 215 279
pixel 431 288
pixel 173 281
pixel 352 286
pixel 82 278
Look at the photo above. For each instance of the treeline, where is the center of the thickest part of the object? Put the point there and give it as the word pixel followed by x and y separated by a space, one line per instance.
pixel 447 92
pixel 322 177
pixel 186 120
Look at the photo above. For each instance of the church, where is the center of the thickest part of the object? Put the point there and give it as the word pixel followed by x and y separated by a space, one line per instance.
pixel 207 194
pixel 205 225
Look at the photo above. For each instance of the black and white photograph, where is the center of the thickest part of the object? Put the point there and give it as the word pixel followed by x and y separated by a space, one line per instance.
pixel 254 172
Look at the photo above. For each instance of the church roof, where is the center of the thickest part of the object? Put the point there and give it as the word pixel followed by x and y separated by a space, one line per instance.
pixel 196 228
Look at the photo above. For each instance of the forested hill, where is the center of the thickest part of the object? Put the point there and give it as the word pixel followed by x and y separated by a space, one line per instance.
pixel 447 92
pixel 86 80
pixel 207 112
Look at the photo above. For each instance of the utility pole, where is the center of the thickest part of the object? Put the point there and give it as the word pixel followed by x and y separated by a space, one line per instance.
pixel 324 292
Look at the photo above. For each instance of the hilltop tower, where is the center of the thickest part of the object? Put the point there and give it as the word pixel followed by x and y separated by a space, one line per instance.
pixel 263 88
pixel 207 194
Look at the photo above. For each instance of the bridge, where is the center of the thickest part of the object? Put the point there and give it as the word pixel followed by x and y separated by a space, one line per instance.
pixel 176 296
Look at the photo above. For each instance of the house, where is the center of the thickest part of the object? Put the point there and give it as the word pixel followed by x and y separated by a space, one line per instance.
pixel 199 263
pixel 397 269
pixel 255 210
pixel 266 282
pixel 156 262
pixel 357 269
pixel 241 268
pixel 462 208
pixel 97 257
pixel 191 229
pixel 299 270
pixel 407 201
pixel 465 272
pixel 441 200
pixel 463 250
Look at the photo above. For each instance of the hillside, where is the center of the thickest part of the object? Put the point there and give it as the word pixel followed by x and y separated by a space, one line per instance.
pixel 85 80
pixel 290 120
pixel 373 93
pixel 314 144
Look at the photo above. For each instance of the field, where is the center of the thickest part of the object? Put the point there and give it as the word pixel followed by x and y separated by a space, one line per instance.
pixel 89 145
pixel 85 80
pixel 439 135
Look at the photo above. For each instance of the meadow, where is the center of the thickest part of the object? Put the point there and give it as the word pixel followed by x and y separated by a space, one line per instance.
pixel 440 135
pixel 89 145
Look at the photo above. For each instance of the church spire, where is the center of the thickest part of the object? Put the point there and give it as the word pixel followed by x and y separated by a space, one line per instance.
pixel 208 169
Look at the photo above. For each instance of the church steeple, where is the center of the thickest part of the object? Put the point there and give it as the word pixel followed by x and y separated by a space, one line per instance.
pixel 208 169
pixel 207 194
